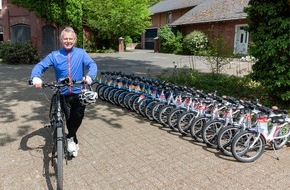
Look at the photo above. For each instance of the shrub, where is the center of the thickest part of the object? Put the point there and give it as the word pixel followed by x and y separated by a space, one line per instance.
pixel 218 54
pixel 18 53
pixel 195 43
pixel 169 42
pixel 269 29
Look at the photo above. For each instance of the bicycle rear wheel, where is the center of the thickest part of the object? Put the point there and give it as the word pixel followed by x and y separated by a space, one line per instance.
pixel 280 142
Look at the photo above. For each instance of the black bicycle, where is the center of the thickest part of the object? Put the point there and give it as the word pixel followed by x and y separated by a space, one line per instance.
pixel 59 152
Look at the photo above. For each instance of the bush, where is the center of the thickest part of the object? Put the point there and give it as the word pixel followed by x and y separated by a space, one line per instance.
pixel 169 42
pixel 195 43
pixel 269 29
pixel 18 53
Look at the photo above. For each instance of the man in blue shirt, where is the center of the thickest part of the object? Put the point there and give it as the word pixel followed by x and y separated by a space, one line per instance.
pixel 70 62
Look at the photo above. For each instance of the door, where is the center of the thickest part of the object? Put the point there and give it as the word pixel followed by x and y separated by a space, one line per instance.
pixel 48 39
pixel 150 34
pixel 241 40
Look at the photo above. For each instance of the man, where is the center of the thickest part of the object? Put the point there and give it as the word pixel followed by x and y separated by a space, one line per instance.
pixel 69 61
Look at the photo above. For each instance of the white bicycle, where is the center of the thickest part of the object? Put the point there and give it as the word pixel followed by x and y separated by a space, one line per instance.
pixel 273 130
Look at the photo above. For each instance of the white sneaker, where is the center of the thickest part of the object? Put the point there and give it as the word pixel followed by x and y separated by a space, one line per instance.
pixel 75 153
pixel 71 145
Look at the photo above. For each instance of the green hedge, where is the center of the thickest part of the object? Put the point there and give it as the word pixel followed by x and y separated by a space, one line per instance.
pixel 18 53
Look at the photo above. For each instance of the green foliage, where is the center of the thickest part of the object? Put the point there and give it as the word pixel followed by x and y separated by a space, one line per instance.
pixel 18 53
pixel 109 19
pixel 153 2
pixel 218 53
pixel 169 42
pixel 67 12
pixel 269 29
pixel 112 19
pixel 195 43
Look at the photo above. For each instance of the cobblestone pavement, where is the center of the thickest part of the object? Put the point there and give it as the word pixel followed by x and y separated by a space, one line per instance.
pixel 118 149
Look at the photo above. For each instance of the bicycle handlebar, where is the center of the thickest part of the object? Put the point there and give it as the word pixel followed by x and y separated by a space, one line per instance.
pixel 63 82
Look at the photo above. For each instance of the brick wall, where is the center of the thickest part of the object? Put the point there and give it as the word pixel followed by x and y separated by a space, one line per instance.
pixel 13 15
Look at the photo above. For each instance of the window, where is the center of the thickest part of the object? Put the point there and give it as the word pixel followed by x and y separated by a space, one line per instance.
pixel 0 4
pixel 20 33
pixel 169 18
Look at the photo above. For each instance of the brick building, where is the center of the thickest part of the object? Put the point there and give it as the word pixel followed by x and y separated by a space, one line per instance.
pixel 213 17
pixel 17 24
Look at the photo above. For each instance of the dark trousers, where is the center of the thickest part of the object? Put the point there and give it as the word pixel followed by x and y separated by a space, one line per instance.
pixel 74 114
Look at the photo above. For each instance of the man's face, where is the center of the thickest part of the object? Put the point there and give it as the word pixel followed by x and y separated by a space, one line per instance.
pixel 68 40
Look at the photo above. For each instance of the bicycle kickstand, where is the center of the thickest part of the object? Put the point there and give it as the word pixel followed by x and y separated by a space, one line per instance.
pixel 275 151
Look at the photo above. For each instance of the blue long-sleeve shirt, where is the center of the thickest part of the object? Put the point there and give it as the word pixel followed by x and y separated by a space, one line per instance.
pixel 67 64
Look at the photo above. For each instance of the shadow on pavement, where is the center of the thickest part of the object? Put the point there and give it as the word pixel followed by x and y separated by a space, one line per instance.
pixel 45 149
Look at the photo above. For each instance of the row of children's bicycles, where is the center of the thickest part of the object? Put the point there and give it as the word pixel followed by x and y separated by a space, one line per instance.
pixel 236 127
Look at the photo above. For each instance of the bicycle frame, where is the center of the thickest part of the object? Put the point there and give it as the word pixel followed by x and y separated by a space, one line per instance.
pixel 273 133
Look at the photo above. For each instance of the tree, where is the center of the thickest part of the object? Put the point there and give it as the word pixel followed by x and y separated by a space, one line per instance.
pixel 153 2
pixel 63 12
pixel 110 19
pixel 117 18
pixel 269 30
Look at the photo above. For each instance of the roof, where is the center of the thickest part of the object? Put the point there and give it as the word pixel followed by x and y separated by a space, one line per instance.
pixel 170 5
pixel 203 10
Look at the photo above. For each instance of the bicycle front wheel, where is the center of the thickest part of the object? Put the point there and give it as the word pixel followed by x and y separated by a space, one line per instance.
pixel 210 132
pixel 60 157
pixel 225 138
pixel 247 146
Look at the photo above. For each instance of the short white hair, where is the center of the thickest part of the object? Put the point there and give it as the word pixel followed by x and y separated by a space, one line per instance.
pixel 68 29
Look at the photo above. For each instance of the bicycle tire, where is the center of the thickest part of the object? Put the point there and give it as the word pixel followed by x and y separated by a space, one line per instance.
pixel 131 101
pixel 240 146
pixel 127 98
pixel 148 109
pixel 101 92
pixel 156 109
pixel 115 96
pixel 142 105
pixel 135 104
pixel 163 114
pixel 225 138
pixel 98 87
pixel 111 95
pixel 120 99
pixel 173 117
pixel 279 143
pixel 184 122
pixel 106 93
pixel 60 156
pixel 196 128
pixel 210 132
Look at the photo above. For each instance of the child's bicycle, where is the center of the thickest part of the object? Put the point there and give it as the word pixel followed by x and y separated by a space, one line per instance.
pixel 249 145
pixel 59 151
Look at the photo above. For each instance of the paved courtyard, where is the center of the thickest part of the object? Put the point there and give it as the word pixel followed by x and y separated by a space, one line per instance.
pixel 119 150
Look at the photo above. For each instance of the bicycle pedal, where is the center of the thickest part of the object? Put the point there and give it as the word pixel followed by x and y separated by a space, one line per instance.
pixel 48 125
